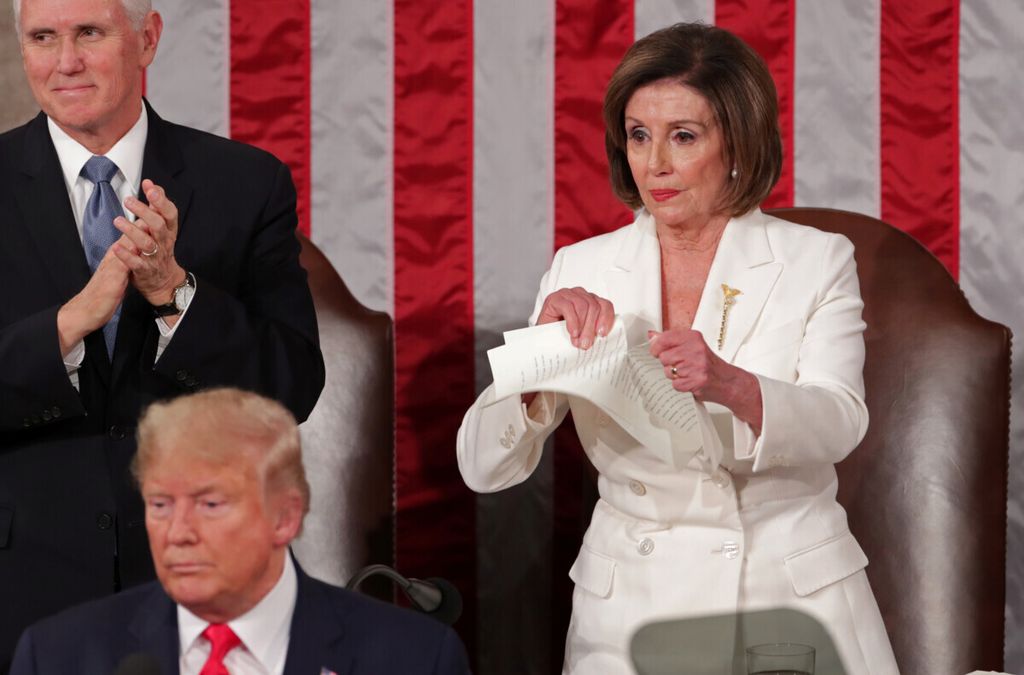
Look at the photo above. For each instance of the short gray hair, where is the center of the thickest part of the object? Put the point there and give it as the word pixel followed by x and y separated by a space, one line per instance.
pixel 135 9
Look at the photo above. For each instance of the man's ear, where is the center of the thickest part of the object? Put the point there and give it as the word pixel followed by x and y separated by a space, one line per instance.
pixel 288 514
pixel 152 27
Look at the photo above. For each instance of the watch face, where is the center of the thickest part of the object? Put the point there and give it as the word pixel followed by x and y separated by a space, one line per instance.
pixel 180 300
pixel 183 293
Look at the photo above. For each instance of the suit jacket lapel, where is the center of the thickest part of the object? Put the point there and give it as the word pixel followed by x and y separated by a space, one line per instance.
pixel 163 164
pixel 316 628
pixel 744 261
pixel 633 282
pixel 46 212
pixel 155 626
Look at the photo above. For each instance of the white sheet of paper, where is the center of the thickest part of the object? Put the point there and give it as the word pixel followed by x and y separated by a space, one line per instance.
pixel 626 382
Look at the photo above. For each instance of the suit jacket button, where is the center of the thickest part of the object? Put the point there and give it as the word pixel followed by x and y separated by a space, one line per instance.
pixel 104 521
pixel 55 412
pixel 181 375
pixel 117 433
pixel 638 488
pixel 646 547
pixel 26 422
pixel 47 416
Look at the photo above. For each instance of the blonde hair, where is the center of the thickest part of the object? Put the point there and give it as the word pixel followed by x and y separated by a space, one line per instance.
pixel 241 421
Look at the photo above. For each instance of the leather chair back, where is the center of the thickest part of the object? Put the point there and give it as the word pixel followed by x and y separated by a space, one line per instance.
pixel 926 489
pixel 348 440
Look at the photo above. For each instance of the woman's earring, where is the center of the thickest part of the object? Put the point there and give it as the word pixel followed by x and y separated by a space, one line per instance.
pixel 734 173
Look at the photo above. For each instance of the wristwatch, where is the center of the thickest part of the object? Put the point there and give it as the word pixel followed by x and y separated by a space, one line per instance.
pixel 182 295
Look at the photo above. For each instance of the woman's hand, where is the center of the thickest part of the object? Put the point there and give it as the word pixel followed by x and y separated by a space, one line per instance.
pixel 693 367
pixel 586 315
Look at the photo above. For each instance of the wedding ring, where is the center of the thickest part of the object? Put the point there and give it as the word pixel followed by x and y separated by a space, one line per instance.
pixel 675 372
pixel 156 249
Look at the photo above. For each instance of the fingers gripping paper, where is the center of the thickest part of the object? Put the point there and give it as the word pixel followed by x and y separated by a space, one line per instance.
pixel 627 383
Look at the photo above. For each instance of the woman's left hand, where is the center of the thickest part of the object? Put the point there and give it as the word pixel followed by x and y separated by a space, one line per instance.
pixel 694 367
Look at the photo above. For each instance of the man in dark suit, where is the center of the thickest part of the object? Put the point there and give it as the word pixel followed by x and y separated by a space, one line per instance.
pixel 201 287
pixel 222 479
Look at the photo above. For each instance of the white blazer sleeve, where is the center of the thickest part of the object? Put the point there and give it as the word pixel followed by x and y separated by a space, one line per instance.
pixel 499 444
pixel 821 417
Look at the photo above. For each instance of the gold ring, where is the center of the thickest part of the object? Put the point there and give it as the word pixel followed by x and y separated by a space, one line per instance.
pixel 156 249
pixel 675 372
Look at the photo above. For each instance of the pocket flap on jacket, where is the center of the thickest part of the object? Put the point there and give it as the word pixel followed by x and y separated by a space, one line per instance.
pixel 593 572
pixel 6 519
pixel 830 561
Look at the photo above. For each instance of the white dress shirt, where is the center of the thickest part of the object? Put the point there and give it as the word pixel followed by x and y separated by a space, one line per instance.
pixel 263 630
pixel 127 154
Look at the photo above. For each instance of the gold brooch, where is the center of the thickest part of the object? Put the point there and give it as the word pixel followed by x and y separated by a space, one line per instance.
pixel 727 303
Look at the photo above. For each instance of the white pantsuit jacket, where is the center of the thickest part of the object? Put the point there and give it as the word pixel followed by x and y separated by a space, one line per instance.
pixel 751 522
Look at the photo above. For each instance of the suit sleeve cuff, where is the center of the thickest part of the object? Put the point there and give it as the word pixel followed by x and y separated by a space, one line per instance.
pixel 167 332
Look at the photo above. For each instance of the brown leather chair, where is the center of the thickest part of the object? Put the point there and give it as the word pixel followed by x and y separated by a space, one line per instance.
pixel 348 440
pixel 926 489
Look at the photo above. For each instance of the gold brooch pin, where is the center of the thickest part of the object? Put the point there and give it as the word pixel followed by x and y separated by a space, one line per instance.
pixel 727 303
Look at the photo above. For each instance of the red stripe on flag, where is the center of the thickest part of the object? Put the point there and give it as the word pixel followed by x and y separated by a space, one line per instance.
pixel 769 27
pixel 590 39
pixel 270 90
pixel 434 340
pixel 920 145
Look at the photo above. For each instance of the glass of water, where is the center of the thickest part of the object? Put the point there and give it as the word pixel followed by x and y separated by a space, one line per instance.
pixel 780 658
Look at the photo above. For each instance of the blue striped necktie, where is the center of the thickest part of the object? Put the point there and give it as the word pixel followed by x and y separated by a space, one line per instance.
pixel 98 231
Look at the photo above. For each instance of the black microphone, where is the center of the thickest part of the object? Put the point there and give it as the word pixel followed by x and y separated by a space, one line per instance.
pixel 435 597
pixel 139 663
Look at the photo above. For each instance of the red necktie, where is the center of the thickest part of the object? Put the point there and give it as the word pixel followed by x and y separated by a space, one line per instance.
pixel 222 640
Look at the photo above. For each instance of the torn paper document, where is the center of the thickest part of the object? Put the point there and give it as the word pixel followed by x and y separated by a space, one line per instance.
pixel 625 381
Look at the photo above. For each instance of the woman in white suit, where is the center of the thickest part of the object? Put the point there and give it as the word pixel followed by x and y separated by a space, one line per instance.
pixel 759 318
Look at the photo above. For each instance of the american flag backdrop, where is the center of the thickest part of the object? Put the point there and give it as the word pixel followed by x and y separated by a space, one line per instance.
pixel 444 148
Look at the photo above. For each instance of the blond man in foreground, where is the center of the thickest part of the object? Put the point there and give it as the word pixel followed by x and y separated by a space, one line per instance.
pixel 225 493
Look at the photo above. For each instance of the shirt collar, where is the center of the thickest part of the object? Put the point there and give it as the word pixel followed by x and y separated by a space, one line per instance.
pixel 126 153
pixel 261 628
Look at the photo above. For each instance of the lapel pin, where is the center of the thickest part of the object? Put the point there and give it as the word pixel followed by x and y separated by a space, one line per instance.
pixel 727 303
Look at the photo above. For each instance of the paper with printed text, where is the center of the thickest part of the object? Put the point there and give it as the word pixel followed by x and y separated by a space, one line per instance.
pixel 626 382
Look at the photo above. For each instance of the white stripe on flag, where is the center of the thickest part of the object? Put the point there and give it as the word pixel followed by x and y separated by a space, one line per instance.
pixel 835 135
pixel 650 15
pixel 188 81
pixel 352 134
pixel 513 234
pixel 513 238
pixel 991 203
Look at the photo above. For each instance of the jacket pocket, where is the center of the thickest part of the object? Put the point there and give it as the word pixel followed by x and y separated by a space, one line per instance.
pixel 593 572
pixel 6 521
pixel 825 563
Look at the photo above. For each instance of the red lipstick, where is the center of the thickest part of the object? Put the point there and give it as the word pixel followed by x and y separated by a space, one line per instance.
pixel 662 195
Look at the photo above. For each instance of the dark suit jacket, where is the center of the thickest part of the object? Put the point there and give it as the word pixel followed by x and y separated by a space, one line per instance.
pixel 71 523
pixel 333 629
